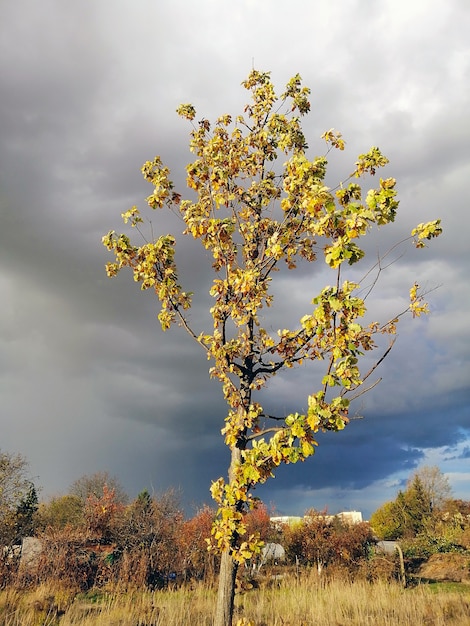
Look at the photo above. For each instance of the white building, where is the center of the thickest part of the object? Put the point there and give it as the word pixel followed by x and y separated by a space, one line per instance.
pixel 349 517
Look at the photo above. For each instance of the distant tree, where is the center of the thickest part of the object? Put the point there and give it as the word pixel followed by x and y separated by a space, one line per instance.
pixel 311 541
pixel 435 485
pixel 354 543
pixel 147 537
pixel 25 515
pixel 258 523
pixel 18 498
pixel 61 511
pixel 252 216
pixel 416 509
pixel 451 525
pixel 387 522
pixel 93 484
pixel 168 520
pixel 456 506
pixel 137 523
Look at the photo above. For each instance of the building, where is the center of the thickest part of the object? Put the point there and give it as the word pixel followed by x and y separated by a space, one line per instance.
pixel 349 517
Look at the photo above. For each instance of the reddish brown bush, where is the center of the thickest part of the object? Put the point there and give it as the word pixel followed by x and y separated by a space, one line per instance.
pixel 101 515
pixel 259 521
pixel 198 562
pixel 322 541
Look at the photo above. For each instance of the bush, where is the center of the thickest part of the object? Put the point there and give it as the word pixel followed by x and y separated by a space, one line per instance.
pixel 322 541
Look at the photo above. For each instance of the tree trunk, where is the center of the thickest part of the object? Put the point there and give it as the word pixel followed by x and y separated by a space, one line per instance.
pixel 226 590
pixel 228 567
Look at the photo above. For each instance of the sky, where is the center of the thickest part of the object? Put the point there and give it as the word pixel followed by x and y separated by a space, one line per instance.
pixel 88 381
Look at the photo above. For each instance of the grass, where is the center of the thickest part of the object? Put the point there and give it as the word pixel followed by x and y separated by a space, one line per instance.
pixel 439 587
pixel 288 602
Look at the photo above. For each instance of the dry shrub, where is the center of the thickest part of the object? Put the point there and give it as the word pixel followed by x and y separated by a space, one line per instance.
pixel 65 557
pixel 385 568
pixel 134 570
pixel 465 538
pixel 8 567
pixel 451 567
pixel 197 561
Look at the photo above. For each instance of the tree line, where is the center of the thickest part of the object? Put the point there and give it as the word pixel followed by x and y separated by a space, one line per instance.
pixel 94 535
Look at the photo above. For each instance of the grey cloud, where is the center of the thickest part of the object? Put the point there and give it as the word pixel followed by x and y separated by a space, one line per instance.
pixel 88 380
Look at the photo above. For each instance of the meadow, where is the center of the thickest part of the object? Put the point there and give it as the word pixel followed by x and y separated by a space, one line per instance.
pixel 289 601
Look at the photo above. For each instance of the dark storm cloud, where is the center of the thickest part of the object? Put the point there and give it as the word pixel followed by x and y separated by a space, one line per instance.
pixel 88 381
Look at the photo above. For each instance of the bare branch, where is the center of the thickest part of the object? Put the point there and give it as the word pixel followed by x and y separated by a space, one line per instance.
pixel 361 393
pixel 374 367
pixel 273 417
pixel 260 433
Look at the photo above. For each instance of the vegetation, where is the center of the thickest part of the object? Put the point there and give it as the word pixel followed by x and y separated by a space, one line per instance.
pixel 105 562
pixel 426 497
pixel 321 542
pixel 292 601
pixel 18 498
pixel 93 484
pixel 254 216
pixel 425 518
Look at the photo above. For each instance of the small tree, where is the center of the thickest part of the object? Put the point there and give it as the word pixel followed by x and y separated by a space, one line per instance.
pixel 251 217
pixel 311 542
pixel 321 540
pixel 258 523
pixel 101 515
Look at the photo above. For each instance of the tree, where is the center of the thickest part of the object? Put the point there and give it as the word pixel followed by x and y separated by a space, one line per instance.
pixel 416 509
pixel 321 540
pixel 101 514
pixel 387 522
pixel 61 511
pixel 252 217
pixel 258 522
pixel 18 498
pixel 25 514
pixel 93 485
pixel 311 542
pixel 435 485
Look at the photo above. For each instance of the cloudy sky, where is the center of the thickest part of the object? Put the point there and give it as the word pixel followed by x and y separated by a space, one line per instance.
pixel 88 381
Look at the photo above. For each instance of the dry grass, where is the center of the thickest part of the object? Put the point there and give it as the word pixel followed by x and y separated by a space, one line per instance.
pixel 341 603
pixel 288 602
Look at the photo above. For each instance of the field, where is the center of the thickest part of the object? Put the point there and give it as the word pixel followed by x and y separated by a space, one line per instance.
pixel 285 602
